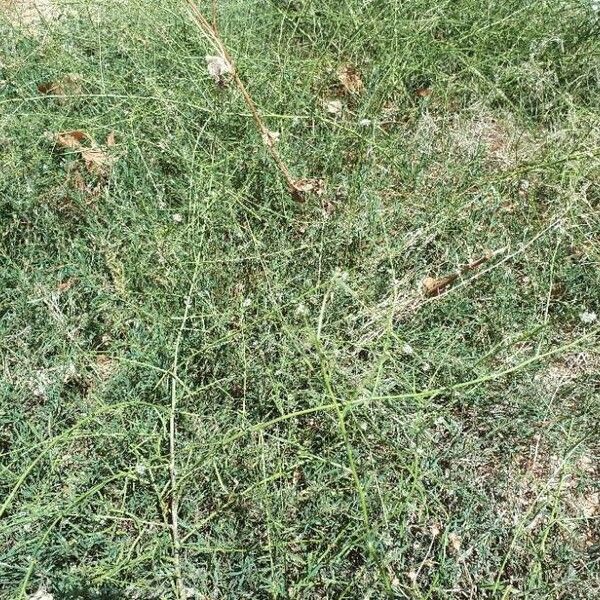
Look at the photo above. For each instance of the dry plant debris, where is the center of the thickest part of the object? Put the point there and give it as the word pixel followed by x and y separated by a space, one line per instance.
pixel 97 161
pixel 222 65
pixel 62 88
pixel 433 286
pixel 423 92
pixel 29 14
pixel 218 68
pixel 333 107
pixel 350 79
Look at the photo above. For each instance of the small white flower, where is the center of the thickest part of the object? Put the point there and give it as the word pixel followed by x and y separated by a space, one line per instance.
pixel 588 317
pixel 365 122
pixel 140 469
pixel 523 187
pixel 247 302
pixel 407 349
pixel 177 218
pixel 596 6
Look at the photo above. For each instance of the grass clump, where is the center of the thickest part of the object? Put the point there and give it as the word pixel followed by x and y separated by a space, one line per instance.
pixel 181 339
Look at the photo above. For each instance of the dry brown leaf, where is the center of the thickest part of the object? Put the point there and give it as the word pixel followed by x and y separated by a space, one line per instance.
pixel 72 140
pixel 423 92
pixel 66 285
pixel 69 85
pixel 455 541
pixel 433 286
pixel 97 161
pixel 302 187
pixel 48 87
pixel 111 140
pixel 350 79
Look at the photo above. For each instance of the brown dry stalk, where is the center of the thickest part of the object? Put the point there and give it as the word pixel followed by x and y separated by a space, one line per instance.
pixel 432 286
pixel 211 32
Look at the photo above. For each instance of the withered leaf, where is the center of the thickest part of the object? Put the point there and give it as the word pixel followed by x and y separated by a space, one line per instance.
pixel 97 161
pixel 423 92
pixel 435 285
pixel 432 286
pixel 302 187
pixel 66 285
pixel 309 185
pixel 72 140
pixel 47 87
pixel 350 79
pixel 333 107
pixel 455 541
pixel 69 85
pixel 111 140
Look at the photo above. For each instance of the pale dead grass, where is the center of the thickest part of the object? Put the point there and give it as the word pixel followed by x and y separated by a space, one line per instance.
pixel 29 13
pixel 496 138
pixel 567 369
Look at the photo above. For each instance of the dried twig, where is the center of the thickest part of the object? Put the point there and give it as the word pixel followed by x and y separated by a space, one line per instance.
pixel 214 14
pixel 297 187
pixel 432 286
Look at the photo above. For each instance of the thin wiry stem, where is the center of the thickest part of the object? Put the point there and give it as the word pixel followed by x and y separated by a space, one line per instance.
pixel 173 500
pixel 340 409
pixel 420 395
pixel 173 492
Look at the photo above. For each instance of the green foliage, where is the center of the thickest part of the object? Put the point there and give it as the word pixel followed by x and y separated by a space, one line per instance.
pixel 339 435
